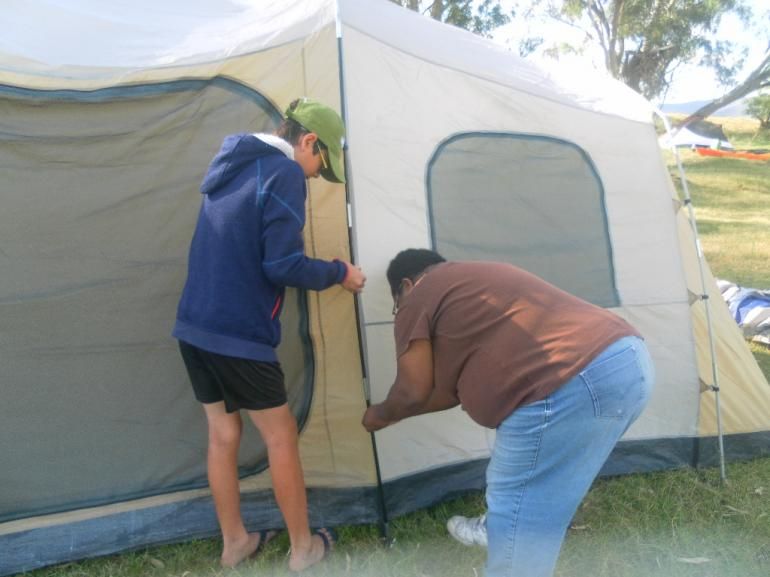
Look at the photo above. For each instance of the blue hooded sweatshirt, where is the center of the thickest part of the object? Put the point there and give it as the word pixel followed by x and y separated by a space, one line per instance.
pixel 246 248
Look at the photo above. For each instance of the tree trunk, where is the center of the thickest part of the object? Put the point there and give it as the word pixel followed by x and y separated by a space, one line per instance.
pixel 437 10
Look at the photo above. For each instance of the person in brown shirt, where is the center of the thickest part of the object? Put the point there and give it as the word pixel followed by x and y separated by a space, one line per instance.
pixel 558 378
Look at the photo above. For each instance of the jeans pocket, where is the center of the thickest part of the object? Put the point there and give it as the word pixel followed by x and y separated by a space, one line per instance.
pixel 613 384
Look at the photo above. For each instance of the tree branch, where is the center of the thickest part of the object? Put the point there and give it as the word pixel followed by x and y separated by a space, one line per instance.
pixel 759 78
pixel 599 22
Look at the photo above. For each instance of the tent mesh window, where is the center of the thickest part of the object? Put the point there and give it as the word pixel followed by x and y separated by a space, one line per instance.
pixel 100 198
pixel 531 201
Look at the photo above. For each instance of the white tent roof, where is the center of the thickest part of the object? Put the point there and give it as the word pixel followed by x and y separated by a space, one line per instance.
pixel 148 34
pixel 74 37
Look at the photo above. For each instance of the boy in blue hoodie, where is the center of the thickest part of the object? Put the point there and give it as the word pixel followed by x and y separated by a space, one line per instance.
pixel 246 249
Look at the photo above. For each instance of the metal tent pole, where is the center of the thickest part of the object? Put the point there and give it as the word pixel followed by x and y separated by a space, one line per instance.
pixel 704 297
pixel 383 512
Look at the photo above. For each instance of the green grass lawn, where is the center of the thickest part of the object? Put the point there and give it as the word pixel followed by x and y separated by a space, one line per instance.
pixel 682 523
pixel 672 524
pixel 731 199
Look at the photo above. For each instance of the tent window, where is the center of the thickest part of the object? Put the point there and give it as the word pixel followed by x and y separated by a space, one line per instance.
pixel 531 201
pixel 100 196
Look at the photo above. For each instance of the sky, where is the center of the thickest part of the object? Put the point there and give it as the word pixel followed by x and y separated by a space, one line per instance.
pixel 691 82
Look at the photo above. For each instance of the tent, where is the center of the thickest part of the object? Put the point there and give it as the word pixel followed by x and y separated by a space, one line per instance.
pixel 697 134
pixel 108 118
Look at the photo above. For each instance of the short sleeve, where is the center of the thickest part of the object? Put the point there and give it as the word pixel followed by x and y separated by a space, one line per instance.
pixel 412 323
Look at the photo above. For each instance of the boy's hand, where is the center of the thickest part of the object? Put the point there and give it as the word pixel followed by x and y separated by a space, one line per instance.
pixel 354 280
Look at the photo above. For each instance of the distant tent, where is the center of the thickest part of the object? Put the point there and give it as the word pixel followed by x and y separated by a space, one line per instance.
pixel 697 134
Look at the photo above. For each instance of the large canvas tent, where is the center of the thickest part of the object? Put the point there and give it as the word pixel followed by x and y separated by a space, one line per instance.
pixel 108 118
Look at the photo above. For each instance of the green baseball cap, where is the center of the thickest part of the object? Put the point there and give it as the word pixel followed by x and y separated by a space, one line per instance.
pixel 327 124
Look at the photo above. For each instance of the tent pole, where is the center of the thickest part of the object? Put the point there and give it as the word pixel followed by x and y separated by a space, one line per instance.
pixel 705 298
pixel 383 512
pixel 384 524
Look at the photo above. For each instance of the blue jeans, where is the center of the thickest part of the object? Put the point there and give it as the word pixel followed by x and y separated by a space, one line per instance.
pixel 547 454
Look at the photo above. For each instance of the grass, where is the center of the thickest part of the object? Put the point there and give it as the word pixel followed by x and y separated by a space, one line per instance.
pixel 681 523
pixel 731 199
pixel 671 524
pixel 744 132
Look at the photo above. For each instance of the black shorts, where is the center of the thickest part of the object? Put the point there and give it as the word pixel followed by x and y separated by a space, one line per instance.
pixel 240 383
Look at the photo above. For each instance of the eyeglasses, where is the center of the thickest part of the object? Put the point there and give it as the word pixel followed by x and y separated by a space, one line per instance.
pixel 322 152
pixel 397 297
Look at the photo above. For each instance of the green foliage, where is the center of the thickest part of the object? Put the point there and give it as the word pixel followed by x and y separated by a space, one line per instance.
pixel 487 16
pixel 759 108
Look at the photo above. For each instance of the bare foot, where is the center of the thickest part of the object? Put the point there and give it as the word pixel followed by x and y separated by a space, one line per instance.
pixel 321 543
pixel 237 551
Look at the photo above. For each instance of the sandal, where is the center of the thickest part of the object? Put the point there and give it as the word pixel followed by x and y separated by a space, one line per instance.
pixel 329 538
pixel 265 536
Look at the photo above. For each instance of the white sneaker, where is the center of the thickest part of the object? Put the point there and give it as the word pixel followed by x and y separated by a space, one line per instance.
pixel 468 530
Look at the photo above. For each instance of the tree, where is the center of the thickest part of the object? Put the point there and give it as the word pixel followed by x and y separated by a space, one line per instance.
pixel 643 41
pixel 759 78
pixel 759 108
pixel 488 14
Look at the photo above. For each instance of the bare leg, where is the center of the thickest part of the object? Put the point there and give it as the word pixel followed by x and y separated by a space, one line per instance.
pixel 224 440
pixel 278 428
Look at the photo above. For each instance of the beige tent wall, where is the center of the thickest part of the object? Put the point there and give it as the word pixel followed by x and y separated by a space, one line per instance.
pixel 336 450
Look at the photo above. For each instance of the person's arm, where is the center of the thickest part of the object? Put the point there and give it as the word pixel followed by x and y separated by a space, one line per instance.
pixel 413 392
pixel 354 279
pixel 283 248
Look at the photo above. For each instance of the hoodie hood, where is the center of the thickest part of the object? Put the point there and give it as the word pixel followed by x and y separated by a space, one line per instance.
pixel 237 152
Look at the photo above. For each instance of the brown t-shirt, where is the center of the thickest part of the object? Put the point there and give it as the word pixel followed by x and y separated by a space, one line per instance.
pixel 501 336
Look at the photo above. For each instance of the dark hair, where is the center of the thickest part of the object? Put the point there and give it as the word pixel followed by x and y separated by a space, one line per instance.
pixel 291 130
pixel 410 263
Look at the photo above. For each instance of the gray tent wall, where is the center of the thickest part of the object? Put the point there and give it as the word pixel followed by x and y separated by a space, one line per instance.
pixel 102 444
pixel 101 165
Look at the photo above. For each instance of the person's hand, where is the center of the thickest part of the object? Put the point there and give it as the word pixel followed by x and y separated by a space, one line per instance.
pixel 354 280
pixel 373 420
